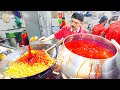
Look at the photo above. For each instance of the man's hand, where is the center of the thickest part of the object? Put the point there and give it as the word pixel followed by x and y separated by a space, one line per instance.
pixel 42 39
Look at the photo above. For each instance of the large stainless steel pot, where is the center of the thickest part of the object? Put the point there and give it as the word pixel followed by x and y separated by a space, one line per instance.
pixel 16 54
pixel 77 66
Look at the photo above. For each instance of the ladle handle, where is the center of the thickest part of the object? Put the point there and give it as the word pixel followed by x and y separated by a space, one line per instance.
pixel 56 44
pixel 115 43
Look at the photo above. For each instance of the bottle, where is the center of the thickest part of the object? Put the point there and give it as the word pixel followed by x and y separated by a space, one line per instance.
pixel 24 36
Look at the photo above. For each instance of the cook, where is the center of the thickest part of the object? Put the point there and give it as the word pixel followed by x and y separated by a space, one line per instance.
pixel 99 28
pixel 112 32
pixel 74 27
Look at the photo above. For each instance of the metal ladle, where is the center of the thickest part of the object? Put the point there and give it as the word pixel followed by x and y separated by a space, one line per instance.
pixel 56 44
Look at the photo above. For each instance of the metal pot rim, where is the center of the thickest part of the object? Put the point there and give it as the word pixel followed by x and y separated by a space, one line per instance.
pixel 95 36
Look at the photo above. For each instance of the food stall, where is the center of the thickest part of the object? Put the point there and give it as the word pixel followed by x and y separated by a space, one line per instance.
pixel 78 56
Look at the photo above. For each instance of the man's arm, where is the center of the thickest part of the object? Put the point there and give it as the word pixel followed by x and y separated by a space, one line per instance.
pixel 103 34
pixel 44 39
pixel 57 35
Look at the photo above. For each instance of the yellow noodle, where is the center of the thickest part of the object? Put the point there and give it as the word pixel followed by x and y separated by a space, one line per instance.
pixel 19 70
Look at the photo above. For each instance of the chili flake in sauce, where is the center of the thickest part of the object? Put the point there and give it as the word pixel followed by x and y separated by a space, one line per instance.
pixel 89 49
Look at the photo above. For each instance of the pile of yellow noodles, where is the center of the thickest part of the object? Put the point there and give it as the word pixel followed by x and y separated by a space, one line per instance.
pixel 19 70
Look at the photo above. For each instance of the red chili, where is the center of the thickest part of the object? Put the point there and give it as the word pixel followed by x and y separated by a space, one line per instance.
pixel 38 56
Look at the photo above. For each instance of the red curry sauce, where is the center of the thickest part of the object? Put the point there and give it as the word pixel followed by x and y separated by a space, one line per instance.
pixel 90 49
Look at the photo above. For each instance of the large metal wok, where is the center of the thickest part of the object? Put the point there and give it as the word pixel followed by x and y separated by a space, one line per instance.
pixel 16 54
